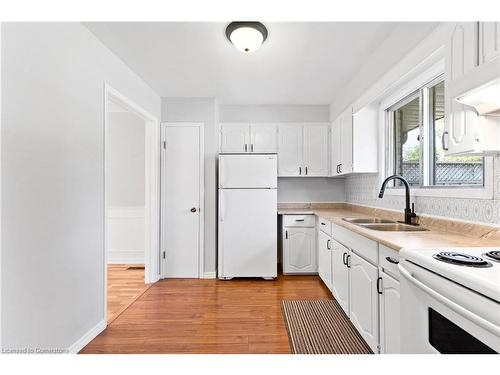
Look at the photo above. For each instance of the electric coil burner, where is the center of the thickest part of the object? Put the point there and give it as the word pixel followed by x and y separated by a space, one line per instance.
pixel 493 255
pixel 461 259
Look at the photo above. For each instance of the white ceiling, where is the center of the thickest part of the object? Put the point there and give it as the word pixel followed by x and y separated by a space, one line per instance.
pixel 300 63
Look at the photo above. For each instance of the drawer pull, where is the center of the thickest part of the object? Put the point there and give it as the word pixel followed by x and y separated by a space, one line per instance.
pixel 323 224
pixel 299 219
pixel 392 260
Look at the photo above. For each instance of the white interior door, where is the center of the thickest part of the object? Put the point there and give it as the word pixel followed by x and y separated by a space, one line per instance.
pixel 182 186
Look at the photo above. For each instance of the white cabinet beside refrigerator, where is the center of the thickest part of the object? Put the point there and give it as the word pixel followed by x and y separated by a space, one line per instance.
pixel 247 216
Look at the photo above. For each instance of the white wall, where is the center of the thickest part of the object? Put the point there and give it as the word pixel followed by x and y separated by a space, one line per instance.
pixel 203 110
pixel 52 169
pixel 274 113
pixel 126 190
pixel 291 189
pixel 126 160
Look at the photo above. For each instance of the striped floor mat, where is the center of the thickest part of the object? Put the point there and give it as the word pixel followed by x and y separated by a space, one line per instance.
pixel 321 327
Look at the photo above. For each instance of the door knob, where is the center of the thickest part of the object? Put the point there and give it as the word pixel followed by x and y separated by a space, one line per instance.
pixel 193 209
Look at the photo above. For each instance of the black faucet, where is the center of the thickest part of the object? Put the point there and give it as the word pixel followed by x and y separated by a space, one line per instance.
pixel 409 212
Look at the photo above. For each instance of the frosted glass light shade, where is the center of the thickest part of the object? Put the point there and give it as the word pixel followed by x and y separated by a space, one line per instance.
pixel 246 36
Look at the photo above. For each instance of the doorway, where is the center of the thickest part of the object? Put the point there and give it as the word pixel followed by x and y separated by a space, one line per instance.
pixel 131 202
pixel 182 225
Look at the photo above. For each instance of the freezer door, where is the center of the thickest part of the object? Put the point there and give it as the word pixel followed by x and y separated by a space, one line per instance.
pixel 248 171
pixel 248 233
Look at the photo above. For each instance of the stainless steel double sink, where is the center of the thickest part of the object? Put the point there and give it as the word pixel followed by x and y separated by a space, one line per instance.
pixel 375 223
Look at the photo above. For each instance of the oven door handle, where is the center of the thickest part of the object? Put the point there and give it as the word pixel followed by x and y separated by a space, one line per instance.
pixel 450 304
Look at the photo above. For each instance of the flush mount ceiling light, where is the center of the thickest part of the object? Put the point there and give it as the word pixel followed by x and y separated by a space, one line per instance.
pixel 247 36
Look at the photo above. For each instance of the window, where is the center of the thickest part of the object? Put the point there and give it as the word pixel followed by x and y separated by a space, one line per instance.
pixel 415 129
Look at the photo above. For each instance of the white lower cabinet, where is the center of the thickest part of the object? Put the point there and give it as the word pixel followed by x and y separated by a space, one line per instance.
pixel 299 250
pixel 325 258
pixel 389 315
pixel 340 277
pixel 363 299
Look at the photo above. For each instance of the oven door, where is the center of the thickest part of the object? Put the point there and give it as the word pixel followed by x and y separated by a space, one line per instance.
pixel 441 316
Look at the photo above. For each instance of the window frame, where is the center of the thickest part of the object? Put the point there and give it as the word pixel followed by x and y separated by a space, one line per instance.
pixel 425 79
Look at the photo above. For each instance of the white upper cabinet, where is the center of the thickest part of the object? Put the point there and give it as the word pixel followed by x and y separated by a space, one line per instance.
pixel 354 142
pixel 264 138
pixel 460 120
pixel 235 138
pixel 316 150
pixel 489 41
pixel 303 150
pixel 472 59
pixel 290 150
pixel 247 138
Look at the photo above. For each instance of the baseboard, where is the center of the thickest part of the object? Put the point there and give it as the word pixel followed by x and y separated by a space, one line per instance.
pixel 209 275
pixel 88 337
pixel 116 256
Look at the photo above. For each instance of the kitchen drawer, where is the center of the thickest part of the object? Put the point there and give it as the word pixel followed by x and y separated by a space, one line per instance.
pixel 361 245
pixel 325 226
pixel 388 259
pixel 299 220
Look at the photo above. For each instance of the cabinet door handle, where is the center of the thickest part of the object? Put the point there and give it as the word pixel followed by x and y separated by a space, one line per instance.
pixel 392 260
pixel 323 224
pixel 286 235
pixel 379 290
pixel 347 261
pixel 344 262
pixel 251 147
pixel 246 147
pixel 193 209
pixel 328 245
pixel 340 167
pixel 306 171
pixel 443 142
pixel 300 170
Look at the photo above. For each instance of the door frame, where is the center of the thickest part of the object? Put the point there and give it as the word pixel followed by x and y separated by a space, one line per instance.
pixel 201 234
pixel 152 204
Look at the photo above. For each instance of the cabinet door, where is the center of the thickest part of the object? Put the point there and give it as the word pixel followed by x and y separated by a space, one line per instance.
pixel 316 150
pixel 264 138
pixel 363 299
pixel 299 250
pixel 325 258
pixel 290 150
pixel 346 142
pixel 335 152
pixel 340 277
pixel 460 120
pixel 235 138
pixel 389 315
pixel 489 41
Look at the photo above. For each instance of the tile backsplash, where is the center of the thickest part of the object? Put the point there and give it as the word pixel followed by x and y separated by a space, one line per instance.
pixel 363 189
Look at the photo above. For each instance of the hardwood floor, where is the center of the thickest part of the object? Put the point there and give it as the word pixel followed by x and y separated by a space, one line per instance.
pixel 125 285
pixel 208 316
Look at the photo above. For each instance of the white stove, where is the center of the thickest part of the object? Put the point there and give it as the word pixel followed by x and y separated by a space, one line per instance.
pixel 450 300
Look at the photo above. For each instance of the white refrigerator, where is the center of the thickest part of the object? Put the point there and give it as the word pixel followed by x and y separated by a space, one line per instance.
pixel 248 216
